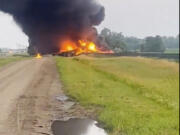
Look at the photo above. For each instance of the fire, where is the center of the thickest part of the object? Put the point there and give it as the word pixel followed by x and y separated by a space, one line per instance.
pixel 92 47
pixel 38 56
pixel 67 46
pixel 82 43
pixel 88 47
pixel 80 47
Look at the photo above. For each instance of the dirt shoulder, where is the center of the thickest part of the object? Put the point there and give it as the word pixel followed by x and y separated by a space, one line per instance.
pixel 29 102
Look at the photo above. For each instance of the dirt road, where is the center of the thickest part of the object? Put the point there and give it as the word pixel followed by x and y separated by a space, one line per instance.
pixel 28 98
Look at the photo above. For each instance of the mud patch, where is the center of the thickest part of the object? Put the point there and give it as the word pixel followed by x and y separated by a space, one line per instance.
pixel 62 98
pixel 77 127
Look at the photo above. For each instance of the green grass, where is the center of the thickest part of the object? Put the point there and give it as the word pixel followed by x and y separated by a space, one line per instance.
pixel 6 60
pixel 176 51
pixel 133 96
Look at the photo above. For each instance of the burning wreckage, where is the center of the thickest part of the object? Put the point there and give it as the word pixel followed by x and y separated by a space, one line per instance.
pixel 59 27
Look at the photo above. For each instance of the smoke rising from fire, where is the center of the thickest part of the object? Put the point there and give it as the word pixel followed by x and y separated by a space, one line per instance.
pixel 48 22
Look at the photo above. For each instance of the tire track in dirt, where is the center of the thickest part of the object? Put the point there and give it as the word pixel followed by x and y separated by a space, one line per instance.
pixel 28 104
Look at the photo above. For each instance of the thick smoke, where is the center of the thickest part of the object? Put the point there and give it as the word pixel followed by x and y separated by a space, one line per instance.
pixel 48 22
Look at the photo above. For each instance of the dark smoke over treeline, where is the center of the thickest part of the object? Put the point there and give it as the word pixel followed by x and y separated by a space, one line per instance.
pixel 47 22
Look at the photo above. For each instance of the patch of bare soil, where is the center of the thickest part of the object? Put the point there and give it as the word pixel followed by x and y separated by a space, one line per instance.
pixel 31 98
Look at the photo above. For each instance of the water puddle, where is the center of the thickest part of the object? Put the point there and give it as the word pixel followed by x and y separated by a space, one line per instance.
pixel 77 127
pixel 62 98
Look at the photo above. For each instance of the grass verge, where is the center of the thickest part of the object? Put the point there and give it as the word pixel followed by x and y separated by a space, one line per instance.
pixel 6 60
pixel 136 96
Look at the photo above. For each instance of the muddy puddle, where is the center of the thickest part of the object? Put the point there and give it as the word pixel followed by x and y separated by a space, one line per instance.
pixel 62 98
pixel 77 127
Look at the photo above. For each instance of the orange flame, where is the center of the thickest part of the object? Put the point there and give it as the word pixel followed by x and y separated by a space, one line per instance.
pixel 67 46
pixel 38 56
pixel 81 47
pixel 88 46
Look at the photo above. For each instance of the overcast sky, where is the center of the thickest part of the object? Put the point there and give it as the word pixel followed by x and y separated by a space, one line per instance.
pixel 138 18
pixel 142 17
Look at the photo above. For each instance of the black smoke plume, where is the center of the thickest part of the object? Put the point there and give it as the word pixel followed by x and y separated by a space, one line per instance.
pixel 47 22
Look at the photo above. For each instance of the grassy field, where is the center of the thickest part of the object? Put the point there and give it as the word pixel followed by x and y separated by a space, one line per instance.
pixel 133 96
pixel 176 51
pixel 6 60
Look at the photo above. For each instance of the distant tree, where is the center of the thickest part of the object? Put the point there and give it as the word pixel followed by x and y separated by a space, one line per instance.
pixel 118 42
pixel 114 40
pixel 31 50
pixel 171 42
pixel 0 50
pixel 105 32
pixel 153 44
pixel 133 43
pixel 142 47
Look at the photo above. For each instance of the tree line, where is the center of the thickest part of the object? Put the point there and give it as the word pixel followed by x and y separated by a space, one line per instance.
pixel 120 43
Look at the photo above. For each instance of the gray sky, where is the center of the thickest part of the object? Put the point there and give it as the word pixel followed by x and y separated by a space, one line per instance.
pixel 11 36
pixel 142 18
pixel 138 18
